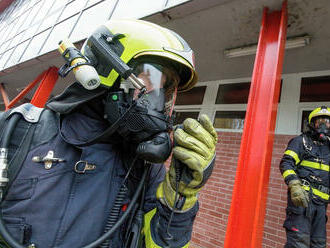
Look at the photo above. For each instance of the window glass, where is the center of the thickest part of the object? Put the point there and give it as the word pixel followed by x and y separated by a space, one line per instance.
pixel 34 2
pixel 137 9
pixel 304 120
pixel 57 5
pixel 21 22
pixel 236 93
pixel 4 46
pixel 3 34
pixel 10 30
pixel 233 93
pixel 229 119
pixel 59 32
pixel 45 6
pixel 171 3
pixel 14 58
pixel 20 10
pixel 4 58
pixel 92 2
pixel 49 21
pixel 73 8
pixel 16 40
pixel 34 46
pixel 31 16
pixel 15 26
pixel 181 116
pixel 91 18
pixel 30 32
pixel 191 97
pixel 315 89
pixel 2 25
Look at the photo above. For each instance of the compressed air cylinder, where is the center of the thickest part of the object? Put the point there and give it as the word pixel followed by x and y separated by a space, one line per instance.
pixel 84 74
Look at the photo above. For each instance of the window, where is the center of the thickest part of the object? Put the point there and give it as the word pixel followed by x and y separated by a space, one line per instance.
pixel 181 116
pixel 34 46
pixel 73 8
pixel 133 9
pixel 233 93
pixel 236 93
pixel 59 32
pixel 304 120
pixel 194 96
pixel 229 119
pixel 91 18
pixel 315 89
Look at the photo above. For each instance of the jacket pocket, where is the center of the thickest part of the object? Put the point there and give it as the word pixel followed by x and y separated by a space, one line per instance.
pixel 21 189
pixel 18 229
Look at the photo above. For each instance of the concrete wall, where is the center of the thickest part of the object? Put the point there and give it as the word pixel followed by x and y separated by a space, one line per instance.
pixel 215 199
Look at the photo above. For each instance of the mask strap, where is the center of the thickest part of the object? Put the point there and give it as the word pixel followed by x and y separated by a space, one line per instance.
pixel 173 101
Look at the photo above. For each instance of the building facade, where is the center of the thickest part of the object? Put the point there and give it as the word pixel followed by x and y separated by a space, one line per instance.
pixel 31 29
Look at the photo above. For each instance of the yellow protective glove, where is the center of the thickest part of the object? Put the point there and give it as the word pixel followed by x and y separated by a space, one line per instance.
pixel 192 163
pixel 299 196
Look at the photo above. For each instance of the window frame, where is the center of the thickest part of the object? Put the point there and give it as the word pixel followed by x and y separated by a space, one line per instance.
pixel 232 106
pixel 288 105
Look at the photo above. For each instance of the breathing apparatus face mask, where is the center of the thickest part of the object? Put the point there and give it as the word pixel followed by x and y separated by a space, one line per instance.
pixel 321 125
pixel 161 87
pixel 145 118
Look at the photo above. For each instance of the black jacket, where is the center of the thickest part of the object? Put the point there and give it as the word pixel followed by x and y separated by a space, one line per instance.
pixel 64 206
pixel 308 160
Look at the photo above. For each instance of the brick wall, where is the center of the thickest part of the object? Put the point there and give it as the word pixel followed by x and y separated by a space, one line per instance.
pixel 210 225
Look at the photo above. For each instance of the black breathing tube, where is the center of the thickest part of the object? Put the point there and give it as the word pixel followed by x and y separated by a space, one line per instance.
pixel 121 220
pixel 4 153
pixel 9 130
pixel 116 208
pixel 14 244
pixel 3 230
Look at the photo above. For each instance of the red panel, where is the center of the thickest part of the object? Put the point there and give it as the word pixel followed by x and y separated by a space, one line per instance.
pixel 246 219
pixel 48 79
pixel 4 96
pixel 46 86
pixel 26 90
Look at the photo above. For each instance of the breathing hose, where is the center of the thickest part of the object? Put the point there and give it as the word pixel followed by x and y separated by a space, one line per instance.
pixel 121 220
pixel 3 172
pixel 114 214
pixel 3 176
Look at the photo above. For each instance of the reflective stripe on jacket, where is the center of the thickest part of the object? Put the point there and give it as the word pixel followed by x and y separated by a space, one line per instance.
pixel 66 204
pixel 309 163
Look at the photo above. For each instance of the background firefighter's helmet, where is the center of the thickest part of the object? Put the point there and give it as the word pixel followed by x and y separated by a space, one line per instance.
pixel 321 111
pixel 318 113
pixel 136 40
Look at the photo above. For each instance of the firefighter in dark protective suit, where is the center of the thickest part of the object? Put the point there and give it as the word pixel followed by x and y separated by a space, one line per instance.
pixel 305 169
pixel 87 171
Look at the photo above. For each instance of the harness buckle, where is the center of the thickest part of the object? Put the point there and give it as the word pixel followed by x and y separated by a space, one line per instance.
pixel 323 189
pixel 319 187
pixel 304 182
pixel 48 160
pixel 82 166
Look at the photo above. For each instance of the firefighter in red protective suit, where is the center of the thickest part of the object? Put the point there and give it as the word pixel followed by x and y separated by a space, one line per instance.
pixel 305 169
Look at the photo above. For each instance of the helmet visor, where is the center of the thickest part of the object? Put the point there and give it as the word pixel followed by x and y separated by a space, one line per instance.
pixel 322 121
pixel 161 84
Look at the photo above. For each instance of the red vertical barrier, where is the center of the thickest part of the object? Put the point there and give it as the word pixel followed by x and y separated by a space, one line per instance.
pixel 48 80
pixel 4 96
pixel 246 218
pixel 46 86
pixel 26 90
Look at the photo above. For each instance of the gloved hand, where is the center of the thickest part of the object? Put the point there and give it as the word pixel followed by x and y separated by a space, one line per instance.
pixel 192 164
pixel 299 196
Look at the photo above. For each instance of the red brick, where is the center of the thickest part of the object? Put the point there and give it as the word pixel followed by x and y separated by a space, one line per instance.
pixel 215 199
